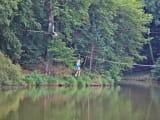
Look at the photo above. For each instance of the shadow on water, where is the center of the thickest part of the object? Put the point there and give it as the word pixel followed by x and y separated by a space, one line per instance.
pixel 119 103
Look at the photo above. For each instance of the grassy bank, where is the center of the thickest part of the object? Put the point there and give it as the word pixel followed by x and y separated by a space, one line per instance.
pixel 88 79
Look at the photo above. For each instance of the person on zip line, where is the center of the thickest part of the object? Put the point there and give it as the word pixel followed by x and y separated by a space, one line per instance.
pixel 78 68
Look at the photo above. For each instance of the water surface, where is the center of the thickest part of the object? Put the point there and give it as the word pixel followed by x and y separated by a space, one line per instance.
pixel 119 103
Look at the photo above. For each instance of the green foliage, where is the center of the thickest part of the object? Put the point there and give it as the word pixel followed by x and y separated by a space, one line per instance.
pixel 69 16
pixel 153 7
pixel 60 53
pixel 109 29
pixel 70 80
pixel 7 9
pixel 37 78
pixel 9 73
pixel 115 33
pixel 10 44
pixel 131 21
pixel 33 46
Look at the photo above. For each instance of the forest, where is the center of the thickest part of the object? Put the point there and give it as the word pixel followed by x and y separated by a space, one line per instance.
pixel 40 40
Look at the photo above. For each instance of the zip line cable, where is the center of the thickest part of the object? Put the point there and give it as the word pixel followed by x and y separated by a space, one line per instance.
pixel 45 32
pixel 121 63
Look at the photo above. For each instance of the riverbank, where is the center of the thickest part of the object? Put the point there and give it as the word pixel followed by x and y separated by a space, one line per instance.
pixel 35 78
pixel 86 79
pixel 144 79
pixel 140 76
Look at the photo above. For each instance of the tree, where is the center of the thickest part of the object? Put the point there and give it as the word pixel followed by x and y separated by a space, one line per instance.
pixel 9 72
pixel 115 33
pixel 91 38
pixel 152 7
pixel 34 18
pixel 59 53
pixel 32 42
pixel 10 43
pixel 101 31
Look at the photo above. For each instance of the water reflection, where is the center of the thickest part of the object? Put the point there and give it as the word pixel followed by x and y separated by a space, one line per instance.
pixel 9 102
pixel 127 103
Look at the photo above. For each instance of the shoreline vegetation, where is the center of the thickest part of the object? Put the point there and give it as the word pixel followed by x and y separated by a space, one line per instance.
pixel 85 80
pixel 144 79
pixel 37 79
pixel 45 39
pixel 14 76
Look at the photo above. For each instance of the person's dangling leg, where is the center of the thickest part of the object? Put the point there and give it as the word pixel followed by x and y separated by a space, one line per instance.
pixel 79 72
pixel 76 74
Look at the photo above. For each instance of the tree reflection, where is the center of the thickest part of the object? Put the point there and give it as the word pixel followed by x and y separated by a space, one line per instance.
pixel 9 102
pixel 71 104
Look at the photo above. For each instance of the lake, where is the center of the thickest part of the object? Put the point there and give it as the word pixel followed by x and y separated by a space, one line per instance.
pixel 118 103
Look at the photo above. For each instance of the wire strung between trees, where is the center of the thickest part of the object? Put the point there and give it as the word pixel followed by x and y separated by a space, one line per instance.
pixel 121 63
pixel 45 32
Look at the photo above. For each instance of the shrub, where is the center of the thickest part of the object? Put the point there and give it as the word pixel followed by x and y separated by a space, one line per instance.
pixel 70 80
pixel 37 78
pixel 60 53
pixel 9 72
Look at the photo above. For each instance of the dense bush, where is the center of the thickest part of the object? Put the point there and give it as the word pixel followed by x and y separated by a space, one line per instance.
pixel 87 79
pixel 9 72
pixel 37 78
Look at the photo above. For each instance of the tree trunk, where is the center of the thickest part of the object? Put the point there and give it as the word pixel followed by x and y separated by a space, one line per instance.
pixel 50 24
pixel 51 17
pixel 91 57
pixel 151 52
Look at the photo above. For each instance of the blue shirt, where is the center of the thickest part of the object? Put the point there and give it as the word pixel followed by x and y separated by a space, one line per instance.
pixel 78 66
